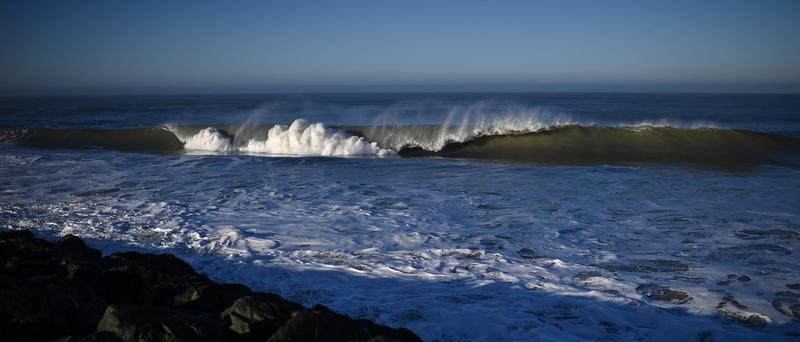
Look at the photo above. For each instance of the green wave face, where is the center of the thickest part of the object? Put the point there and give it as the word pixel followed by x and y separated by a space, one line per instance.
pixel 565 145
pixel 621 145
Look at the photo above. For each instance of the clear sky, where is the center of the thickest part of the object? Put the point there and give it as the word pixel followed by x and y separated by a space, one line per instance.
pixel 86 46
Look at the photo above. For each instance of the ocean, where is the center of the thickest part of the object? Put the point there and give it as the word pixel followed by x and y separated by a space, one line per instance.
pixel 461 216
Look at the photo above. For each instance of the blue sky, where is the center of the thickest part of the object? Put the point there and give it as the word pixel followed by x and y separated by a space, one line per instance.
pixel 241 46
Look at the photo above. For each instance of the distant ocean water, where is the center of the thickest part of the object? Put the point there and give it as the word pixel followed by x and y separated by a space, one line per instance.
pixel 459 216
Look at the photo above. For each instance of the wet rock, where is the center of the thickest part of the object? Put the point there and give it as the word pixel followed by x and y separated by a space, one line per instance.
pixel 795 309
pixel 755 321
pixel 663 293
pixel 22 255
pixel 609 327
pixel 45 311
pixel 102 336
pixel 728 299
pixel 322 324
pixel 259 315
pixel 729 308
pixel 138 323
pixel 122 285
pixel 160 267
pixel 787 306
pixel 37 302
pixel 734 278
pixel 148 278
pixel 68 292
pixel 74 244
pixel 212 298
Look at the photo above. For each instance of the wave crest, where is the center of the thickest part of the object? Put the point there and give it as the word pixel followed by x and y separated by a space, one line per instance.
pixel 465 124
pixel 209 139
pixel 304 138
pixel 299 138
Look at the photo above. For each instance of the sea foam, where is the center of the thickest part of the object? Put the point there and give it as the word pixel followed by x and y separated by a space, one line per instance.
pixel 304 138
pixel 209 139
pixel 299 138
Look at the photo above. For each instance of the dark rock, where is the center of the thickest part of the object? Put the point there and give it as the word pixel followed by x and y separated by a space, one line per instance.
pixel 101 336
pixel 728 299
pixel 122 285
pixel 148 278
pixel 212 298
pixel 706 336
pixel 69 292
pixel 45 311
pixel 139 323
pixel 164 264
pixel 384 333
pixel 259 315
pixel 17 234
pixel 729 308
pixel 663 293
pixel 74 244
pixel 322 324
pixel 754 321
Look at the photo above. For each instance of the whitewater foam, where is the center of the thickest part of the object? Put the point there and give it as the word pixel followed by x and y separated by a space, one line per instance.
pixel 407 242
pixel 209 139
pixel 304 138
pixel 299 138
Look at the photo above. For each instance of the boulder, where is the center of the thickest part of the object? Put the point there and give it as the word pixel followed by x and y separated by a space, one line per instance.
pixel 321 324
pixel 68 292
pixel 663 293
pixel 141 323
pixel 211 298
pixel 259 315
pixel 73 244
pixel 35 311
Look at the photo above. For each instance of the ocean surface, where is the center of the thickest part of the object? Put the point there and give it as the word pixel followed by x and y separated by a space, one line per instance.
pixel 459 216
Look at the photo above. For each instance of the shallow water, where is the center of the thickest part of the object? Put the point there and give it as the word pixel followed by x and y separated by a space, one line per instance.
pixel 454 249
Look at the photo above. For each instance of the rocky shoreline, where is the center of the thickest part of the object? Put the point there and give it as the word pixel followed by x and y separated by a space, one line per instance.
pixel 67 291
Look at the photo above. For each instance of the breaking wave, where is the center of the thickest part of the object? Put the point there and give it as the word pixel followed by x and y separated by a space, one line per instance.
pixel 299 138
pixel 515 140
pixel 302 138
pixel 209 139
